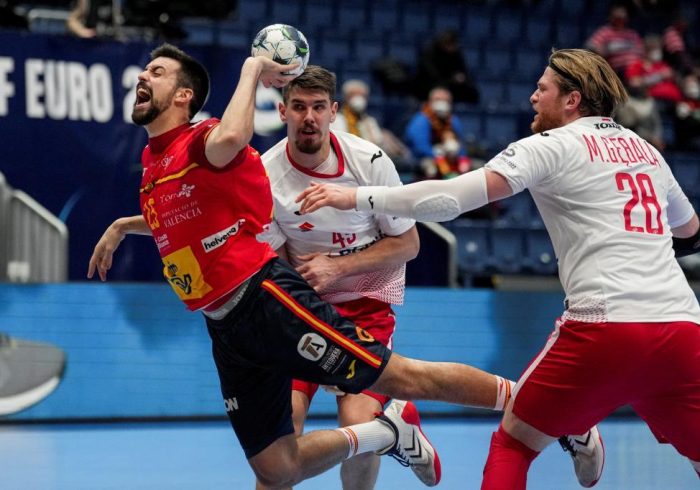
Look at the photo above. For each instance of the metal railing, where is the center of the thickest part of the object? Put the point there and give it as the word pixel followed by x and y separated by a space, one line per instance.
pixel 33 242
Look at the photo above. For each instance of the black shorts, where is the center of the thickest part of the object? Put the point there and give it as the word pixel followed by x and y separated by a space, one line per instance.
pixel 282 330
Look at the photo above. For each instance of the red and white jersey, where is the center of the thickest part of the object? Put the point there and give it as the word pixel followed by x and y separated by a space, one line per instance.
pixel 609 201
pixel 329 230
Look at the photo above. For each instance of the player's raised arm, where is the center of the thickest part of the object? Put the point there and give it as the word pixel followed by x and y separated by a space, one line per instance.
pixel 236 128
pixel 430 200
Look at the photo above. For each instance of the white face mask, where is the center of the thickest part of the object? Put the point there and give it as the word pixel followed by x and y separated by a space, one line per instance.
pixel 692 91
pixel 451 146
pixel 656 55
pixel 441 108
pixel 358 104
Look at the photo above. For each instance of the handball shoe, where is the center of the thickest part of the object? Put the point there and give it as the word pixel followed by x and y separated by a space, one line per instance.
pixel 411 447
pixel 588 453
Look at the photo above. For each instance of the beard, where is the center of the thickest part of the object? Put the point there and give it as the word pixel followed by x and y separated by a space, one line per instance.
pixel 545 122
pixel 145 117
pixel 308 145
pixel 142 118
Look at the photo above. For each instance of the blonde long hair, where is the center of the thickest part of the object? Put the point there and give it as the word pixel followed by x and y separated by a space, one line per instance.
pixel 601 90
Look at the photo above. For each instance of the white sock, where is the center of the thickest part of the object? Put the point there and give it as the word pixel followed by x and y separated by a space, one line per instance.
pixel 370 436
pixel 505 391
pixel 696 465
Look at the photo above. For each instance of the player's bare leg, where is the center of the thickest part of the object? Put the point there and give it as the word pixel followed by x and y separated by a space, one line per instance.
pixel 300 409
pixel 397 432
pixel 411 379
pixel 359 472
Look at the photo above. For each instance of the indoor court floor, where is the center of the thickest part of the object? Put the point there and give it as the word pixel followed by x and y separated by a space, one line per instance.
pixel 206 455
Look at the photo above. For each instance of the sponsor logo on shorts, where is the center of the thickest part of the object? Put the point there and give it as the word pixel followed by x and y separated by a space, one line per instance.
pixel 312 346
pixel 212 242
pixel 231 404
pixel 332 360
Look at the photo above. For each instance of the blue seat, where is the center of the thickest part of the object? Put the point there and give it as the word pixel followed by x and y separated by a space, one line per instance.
pixel 478 26
pixel 384 17
pixel 687 173
pixel 507 249
pixel 448 16
pixel 568 35
pixel 508 27
pixel 518 210
pixel 497 63
pixel 404 52
pixel 369 47
pixel 333 49
pixel 287 12
pixel 529 64
pixel 471 122
pixel 351 15
pixel 518 94
pixel 415 19
pixel 491 94
pixel 538 31
pixel 473 250
pixel 540 252
pixel 500 129
pixel 318 14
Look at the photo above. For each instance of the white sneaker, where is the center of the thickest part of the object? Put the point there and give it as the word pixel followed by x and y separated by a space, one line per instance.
pixel 411 447
pixel 588 453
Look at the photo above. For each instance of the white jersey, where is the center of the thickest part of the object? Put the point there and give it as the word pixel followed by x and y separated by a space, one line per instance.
pixel 609 201
pixel 332 231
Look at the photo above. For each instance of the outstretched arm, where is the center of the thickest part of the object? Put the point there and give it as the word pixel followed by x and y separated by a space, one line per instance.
pixel 234 132
pixel 429 200
pixel 101 259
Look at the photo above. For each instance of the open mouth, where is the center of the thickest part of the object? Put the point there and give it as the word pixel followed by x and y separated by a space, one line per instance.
pixel 143 96
pixel 308 131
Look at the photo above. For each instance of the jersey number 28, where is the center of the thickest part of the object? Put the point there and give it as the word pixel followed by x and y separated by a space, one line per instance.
pixel 642 191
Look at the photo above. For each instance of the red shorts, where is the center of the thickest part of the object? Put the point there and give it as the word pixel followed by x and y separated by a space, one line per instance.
pixel 587 370
pixel 377 319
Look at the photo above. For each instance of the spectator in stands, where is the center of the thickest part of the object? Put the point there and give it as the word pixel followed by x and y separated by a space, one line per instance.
pixel 617 43
pixel 434 136
pixel 687 115
pixel 354 118
pixel 675 48
pixel 641 114
pixel 442 64
pixel 652 74
pixel 78 23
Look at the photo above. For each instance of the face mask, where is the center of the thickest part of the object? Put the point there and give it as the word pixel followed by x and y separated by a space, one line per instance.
pixel 451 146
pixel 441 108
pixel 655 55
pixel 358 104
pixel 692 91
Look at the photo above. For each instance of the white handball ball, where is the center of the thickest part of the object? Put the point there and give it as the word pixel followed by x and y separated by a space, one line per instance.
pixel 284 44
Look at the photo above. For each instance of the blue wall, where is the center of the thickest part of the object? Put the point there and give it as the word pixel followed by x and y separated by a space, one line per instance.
pixel 134 351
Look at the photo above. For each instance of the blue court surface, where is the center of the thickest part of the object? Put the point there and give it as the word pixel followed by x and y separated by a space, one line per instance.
pixel 206 455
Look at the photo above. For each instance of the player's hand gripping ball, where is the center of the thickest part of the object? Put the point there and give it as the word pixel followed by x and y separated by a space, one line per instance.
pixel 284 44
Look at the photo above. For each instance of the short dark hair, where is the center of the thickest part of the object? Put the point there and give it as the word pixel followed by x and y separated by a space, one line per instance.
pixel 314 78
pixel 192 75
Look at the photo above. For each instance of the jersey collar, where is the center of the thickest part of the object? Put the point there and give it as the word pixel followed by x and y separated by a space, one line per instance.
pixel 335 147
